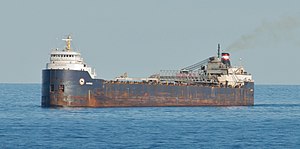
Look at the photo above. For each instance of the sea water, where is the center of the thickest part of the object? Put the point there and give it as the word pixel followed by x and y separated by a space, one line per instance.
pixel 274 122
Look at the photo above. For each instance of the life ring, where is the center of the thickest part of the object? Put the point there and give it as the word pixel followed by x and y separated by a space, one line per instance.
pixel 81 81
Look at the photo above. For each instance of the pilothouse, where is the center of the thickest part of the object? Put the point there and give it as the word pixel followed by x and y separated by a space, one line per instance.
pixel 68 59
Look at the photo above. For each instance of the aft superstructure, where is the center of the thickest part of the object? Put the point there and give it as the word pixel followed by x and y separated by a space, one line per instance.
pixel 214 71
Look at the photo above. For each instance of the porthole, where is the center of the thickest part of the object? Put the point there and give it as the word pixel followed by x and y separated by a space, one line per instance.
pixel 81 81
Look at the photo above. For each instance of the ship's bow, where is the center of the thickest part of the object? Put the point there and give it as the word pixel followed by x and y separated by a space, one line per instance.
pixel 45 102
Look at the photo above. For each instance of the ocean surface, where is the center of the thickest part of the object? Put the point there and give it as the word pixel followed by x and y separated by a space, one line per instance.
pixel 274 122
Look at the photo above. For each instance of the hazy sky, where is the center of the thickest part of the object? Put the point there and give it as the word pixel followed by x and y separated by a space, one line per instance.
pixel 142 37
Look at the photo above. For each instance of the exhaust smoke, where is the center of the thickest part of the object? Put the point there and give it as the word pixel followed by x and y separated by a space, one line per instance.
pixel 268 33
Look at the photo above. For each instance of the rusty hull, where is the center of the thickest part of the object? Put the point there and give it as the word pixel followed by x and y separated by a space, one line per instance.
pixel 62 88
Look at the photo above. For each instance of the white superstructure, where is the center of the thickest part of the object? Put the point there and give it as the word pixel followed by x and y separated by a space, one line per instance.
pixel 215 70
pixel 67 59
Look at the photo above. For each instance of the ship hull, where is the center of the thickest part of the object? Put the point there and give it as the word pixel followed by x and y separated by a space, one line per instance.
pixel 71 88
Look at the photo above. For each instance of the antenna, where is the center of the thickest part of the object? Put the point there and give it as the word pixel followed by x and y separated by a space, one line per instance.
pixel 68 42
pixel 219 48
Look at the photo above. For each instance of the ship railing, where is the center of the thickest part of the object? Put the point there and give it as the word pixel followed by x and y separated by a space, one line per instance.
pixel 237 81
pixel 196 65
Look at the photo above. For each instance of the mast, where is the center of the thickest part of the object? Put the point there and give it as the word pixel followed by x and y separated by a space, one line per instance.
pixel 68 43
pixel 219 48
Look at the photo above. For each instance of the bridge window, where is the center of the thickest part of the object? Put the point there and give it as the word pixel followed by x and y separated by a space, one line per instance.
pixel 52 87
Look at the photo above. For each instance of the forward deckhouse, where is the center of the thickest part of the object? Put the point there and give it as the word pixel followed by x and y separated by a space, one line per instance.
pixel 68 60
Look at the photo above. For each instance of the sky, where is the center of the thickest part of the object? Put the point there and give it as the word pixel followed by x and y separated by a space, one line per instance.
pixel 142 37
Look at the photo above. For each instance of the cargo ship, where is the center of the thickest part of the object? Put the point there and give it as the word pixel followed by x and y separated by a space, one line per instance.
pixel 67 81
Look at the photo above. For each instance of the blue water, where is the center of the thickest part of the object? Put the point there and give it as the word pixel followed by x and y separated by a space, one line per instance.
pixel 274 122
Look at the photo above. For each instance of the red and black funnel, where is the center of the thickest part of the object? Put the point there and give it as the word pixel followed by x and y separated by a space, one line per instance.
pixel 226 59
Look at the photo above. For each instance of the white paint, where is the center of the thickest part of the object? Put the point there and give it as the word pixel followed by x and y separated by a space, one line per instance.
pixel 68 60
pixel 89 83
pixel 226 57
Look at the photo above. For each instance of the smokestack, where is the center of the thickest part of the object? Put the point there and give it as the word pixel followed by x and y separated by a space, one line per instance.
pixel 219 48
pixel 226 59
